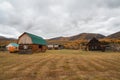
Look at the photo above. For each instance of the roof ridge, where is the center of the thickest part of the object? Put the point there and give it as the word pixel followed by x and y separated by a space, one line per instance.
pixel 33 35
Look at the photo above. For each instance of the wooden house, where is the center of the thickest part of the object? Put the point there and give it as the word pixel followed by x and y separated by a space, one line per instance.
pixel 29 43
pixel 95 45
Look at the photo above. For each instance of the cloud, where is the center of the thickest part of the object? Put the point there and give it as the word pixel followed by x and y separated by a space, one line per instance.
pixel 52 18
pixel 112 3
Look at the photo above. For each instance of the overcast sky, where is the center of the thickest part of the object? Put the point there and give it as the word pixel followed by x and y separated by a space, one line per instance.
pixel 53 18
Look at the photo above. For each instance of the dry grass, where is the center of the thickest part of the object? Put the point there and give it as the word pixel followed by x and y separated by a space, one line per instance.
pixel 60 65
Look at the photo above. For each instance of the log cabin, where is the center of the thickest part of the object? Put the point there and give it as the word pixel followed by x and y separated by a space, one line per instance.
pixel 95 45
pixel 29 43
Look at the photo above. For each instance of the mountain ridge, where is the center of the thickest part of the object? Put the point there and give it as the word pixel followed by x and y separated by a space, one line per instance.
pixel 5 38
pixel 81 36
pixel 114 36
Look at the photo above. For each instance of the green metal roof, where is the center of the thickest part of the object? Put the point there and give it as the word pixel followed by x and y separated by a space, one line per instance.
pixel 37 39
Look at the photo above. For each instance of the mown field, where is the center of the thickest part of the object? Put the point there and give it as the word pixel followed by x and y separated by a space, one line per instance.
pixel 60 65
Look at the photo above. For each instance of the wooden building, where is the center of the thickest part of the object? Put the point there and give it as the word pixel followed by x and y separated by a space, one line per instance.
pixel 50 46
pixel 113 47
pixel 29 43
pixel 55 46
pixel 94 45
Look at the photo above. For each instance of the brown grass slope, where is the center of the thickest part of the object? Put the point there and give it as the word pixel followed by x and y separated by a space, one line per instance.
pixel 82 36
pixel 60 38
pixel 60 65
pixel 114 35
pixel 4 38
pixel 86 36
pixel 6 41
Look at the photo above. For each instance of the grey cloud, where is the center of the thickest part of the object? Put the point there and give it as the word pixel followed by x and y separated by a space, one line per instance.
pixel 112 3
pixel 52 18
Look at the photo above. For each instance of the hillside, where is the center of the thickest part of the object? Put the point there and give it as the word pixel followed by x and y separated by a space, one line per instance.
pixel 114 35
pixel 2 38
pixel 60 38
pixel 82 36
pixel 73 42
pixel 86 36
pixel 6 41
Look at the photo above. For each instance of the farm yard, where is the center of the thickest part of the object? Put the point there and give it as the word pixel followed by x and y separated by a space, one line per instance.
pixel 60 65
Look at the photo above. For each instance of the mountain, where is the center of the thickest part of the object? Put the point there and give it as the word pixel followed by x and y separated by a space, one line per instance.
pixel 6 41
pixel 114 35
pixel 82 36
pixel 60 38
pixel 4 38
pixel 86 36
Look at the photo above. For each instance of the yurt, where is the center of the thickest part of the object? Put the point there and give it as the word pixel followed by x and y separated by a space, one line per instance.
pixel 12 47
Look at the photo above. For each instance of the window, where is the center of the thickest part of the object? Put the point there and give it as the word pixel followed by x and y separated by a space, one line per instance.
pixel 25 47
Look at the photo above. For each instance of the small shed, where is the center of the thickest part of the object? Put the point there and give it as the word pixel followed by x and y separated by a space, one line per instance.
pixel 55 46
pixel 50 46
pixel 94 45
pixel 12 47
pixel 29 43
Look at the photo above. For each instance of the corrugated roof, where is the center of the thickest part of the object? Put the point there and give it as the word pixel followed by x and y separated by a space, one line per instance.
pixel 37 39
